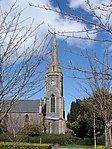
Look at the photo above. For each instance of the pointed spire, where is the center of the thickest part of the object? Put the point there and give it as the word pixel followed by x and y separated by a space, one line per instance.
pixel 54 52
pixel 54 60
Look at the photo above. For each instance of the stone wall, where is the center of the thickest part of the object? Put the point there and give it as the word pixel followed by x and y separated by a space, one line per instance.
pixel 16 121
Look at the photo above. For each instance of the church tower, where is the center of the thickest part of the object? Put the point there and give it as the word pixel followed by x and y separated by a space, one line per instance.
pixel 53 99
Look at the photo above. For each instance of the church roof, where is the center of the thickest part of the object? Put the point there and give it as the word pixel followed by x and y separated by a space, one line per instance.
pixel 24 106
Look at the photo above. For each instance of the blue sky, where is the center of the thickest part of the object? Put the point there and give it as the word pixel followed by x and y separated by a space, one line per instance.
pixel 54 22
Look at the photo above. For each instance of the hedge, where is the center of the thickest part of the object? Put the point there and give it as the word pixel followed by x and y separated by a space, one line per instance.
pixel 66 140
pixel 9 145
pixel 56 139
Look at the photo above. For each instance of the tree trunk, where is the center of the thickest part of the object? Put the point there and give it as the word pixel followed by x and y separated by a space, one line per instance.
pixel 105 136
pixel 108 138
pixel 14 139
pixel 94 131
pixel 110 135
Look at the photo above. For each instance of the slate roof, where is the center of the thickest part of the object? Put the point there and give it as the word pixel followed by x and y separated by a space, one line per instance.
pixel 24 106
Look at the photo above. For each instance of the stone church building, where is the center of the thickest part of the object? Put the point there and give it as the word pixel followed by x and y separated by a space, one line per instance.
pixel 51 110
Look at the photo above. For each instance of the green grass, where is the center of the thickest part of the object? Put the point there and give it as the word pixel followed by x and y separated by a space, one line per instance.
pixel 82 147
pixel 77 146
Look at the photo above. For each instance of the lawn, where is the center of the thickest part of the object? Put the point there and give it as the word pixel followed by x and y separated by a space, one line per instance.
pixel 77 146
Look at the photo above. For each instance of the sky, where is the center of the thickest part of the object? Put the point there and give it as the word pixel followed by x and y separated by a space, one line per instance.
pixel 66 46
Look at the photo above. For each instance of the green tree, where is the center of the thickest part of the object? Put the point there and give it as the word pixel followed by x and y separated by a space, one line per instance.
pixel 82 122
pixel 33 130
pixel 72 112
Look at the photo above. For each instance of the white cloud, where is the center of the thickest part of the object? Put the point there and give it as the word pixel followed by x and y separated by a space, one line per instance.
pixel 49 18
pixel 77 3
pixel 98 6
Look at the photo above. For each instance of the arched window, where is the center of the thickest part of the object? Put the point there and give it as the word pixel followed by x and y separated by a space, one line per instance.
pixel 53 67
pixel 26 120
pixel 52 103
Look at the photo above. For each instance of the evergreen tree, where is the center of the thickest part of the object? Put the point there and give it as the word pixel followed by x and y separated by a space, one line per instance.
pixel 80 120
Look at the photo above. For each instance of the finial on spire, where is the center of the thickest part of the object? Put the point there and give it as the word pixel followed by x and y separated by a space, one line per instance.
pixel 54 42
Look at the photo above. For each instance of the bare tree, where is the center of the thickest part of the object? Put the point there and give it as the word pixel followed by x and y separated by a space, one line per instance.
pixel 97 79
pixel 97 26
pixel 20 57
pixel 96 20
pixel 13 124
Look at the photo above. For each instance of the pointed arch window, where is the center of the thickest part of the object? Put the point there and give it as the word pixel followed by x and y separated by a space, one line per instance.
pixel 52 103
pixel 53 67
pixel 26 123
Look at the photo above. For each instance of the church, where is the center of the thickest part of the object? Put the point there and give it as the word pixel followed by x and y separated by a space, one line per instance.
pixel 50 110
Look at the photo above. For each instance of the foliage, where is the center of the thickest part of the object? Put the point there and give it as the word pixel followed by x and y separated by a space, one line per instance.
pixel 33 130
pixel 81 120
pixel 55 139
pixel 4 138
pixel 9 145
pixel 100 147
pixel 2 128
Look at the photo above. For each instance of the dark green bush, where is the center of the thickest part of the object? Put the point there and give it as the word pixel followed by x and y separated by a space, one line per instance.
pixel 2 129
pixel 33 130
pixel 69 139
pixel 4 138
pixel 60 139
pixel 56 139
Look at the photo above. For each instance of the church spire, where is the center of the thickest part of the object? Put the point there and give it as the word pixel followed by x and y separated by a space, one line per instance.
pixel 54 59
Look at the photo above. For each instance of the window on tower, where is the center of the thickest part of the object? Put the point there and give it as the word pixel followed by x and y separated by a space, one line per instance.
pixel 52 103
pixel 53 68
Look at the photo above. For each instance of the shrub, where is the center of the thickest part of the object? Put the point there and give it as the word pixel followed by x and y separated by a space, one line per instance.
pixel 101 140
pixel 33 130
pixel 4 138
pixel 56 139
pixel 9 145
pixel 2 129
pixel 68 139
pixel 100 147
